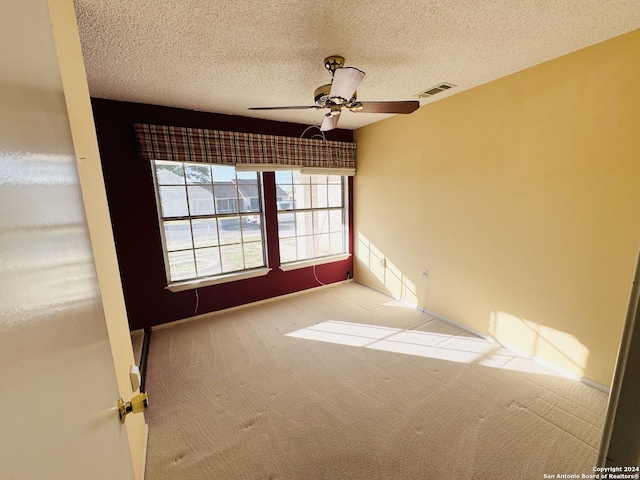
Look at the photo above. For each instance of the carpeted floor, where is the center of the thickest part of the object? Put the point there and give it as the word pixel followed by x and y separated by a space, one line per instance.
pixel 343 383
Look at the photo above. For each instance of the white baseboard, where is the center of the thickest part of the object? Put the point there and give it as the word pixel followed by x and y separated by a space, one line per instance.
pixel 522 353
pixel 511 348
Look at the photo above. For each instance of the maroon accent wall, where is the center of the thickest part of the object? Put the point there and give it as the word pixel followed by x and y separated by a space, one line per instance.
pixel 131 198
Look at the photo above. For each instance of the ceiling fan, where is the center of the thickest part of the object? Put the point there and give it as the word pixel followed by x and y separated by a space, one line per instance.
pixel 341 93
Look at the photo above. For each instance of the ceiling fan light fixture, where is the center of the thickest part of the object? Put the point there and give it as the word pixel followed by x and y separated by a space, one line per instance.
pixel 345 82
pixel 335 110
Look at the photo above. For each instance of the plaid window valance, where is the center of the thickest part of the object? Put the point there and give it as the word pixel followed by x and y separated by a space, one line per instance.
pixel 180 144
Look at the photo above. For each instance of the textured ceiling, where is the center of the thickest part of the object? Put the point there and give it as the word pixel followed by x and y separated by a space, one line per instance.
pixel 224 56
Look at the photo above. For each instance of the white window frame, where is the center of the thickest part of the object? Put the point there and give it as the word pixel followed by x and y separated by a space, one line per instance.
pixel 307 262
pixel 202 281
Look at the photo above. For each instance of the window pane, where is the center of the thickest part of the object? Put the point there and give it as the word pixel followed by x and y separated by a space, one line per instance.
pixel 248 176
pixel 200 200
pixel 286 225
pixel 320 221
pixel 249 197
pixel 284 193
pixel 232 259
pixel 321 245
pixel 335 221
pixel 253 255
pixel 319 196
pixel 255 220
pixel 303 223
pixel 335 195
pixel 302 196
pixel 223 173
pixel 197 173
pixel 284 176
pixel 177 234
pixel 285 205
pixel 208 261
pixel 229 230
pixel 334 179
pixel 173 201
pixel 205 232
pixel 169 173
pixel 287 250
pixel 305 247
pixel 336 241
pixel 181 265
pixel 299 177
pixel 251 230
pixel 226 198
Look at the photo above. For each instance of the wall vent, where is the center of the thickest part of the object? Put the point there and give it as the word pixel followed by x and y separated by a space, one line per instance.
pixel 430 92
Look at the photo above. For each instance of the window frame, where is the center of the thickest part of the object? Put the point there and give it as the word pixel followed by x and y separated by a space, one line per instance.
pixel 331 258
pixel 196 282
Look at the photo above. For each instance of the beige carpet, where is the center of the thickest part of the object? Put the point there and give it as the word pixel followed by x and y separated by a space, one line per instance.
pixel 343 383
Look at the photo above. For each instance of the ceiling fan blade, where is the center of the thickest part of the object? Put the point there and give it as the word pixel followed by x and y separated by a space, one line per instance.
pixel 345 82
pixel 309 107
pixel 407 106
pixel 330 122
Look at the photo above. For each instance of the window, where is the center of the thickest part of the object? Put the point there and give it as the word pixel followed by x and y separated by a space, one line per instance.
pixel 311 215
pixel 210 219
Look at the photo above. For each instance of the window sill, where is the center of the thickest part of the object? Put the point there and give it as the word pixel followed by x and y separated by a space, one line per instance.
pixel 315 261
pixel 205 282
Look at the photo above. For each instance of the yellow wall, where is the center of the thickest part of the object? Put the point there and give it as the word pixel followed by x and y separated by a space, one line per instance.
pixel 522 198
pixel 95 203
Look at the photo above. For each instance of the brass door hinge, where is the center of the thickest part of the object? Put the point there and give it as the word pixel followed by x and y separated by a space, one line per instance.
pixel 138 403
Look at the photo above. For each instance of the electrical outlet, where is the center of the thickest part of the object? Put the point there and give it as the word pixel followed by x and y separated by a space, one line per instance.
pixel 383 262
pixel 425 272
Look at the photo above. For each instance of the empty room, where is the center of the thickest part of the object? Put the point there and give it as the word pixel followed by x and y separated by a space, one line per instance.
pixel 292 240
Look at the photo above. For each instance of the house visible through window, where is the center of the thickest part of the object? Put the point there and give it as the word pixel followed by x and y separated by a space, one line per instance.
pixel 311 216
pixel 210 218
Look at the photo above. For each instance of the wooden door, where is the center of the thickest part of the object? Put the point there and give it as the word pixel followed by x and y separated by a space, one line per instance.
pixel 58 389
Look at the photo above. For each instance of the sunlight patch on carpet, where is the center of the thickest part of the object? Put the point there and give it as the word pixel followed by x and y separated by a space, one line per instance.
pixel 440 346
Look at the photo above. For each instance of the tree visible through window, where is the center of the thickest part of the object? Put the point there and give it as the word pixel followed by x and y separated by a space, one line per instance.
pixel 205 213
pixel 311 216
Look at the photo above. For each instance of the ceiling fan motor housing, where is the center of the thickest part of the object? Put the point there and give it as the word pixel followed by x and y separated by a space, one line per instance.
pixel 322 97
